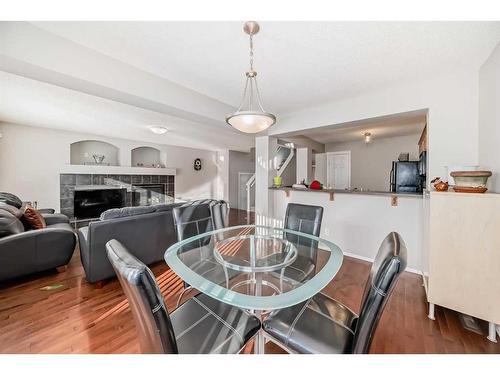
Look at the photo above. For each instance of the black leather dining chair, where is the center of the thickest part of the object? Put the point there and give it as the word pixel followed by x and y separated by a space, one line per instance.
pixel 324 325
pixel 191 220
pixel 200 325
pixel 305 219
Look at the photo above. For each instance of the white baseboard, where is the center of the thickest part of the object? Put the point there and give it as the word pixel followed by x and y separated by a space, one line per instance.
pixel 366 259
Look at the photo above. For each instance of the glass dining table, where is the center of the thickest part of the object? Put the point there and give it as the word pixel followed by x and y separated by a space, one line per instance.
pixel 257 268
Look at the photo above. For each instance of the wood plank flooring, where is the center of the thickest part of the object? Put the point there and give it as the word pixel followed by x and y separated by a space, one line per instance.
pixel 75 317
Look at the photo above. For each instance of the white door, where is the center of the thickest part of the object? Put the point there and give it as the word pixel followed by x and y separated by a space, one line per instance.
pixel 339 169
pixel 242 191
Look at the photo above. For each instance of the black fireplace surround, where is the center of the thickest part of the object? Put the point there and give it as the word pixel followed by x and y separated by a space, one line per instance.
pixel 86 196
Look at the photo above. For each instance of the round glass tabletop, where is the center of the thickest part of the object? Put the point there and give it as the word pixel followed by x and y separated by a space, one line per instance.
pixel 256 267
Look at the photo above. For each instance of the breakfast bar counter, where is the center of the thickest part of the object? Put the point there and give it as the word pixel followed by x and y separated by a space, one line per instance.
pixel 287 190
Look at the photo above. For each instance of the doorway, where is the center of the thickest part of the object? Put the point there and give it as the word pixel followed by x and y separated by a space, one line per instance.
pixel 338 169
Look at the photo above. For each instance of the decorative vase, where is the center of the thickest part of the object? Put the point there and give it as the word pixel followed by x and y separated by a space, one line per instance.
pixel 98 158
pixel 277 181
pixel 439 185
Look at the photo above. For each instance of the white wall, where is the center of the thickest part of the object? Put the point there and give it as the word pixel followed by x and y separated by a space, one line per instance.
pixel 371 163
pixel 489 117
pixel 452 100
pixel 358 223
pixel 31 160
pixel 238 162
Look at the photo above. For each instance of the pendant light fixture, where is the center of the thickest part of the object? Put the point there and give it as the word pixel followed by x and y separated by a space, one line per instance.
pixel 251 116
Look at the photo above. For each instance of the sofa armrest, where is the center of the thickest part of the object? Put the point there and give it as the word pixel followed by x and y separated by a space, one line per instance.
pixel 51 219
pixel 84 243
pixel 35 250
pixel 46 210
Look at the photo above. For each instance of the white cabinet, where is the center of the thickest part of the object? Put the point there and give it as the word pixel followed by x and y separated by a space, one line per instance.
pixel 464 254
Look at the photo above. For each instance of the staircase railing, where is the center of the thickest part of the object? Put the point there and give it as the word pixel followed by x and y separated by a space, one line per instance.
pixel 250 183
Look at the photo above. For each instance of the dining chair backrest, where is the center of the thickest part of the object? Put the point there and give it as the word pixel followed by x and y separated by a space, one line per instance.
pixel 154 327
pixel 220 214
pixel 388 265
pixel 305 219
pixel 192 220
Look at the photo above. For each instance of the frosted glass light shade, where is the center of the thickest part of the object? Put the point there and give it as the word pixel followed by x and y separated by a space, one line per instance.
pixel 251 121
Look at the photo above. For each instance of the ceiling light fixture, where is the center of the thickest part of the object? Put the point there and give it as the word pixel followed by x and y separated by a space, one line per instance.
pixel 158 129
pixel 251 116
pixel 368 137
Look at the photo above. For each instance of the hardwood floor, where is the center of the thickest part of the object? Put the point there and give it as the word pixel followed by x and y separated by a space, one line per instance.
pixel 61 313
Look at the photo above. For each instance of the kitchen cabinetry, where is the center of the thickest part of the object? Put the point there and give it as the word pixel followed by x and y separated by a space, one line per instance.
pixel 464 255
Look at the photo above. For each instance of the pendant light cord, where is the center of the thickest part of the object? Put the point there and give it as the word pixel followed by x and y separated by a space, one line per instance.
pixel 251 52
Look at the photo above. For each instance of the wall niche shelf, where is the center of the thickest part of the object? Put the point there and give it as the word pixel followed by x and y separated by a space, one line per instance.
pixel 146 157
pixel 87 151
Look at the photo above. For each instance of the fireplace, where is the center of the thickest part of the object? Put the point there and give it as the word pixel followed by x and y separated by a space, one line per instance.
pixel 90 203
pixel 138 190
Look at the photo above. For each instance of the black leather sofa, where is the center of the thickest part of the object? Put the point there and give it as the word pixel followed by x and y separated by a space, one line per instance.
pixel 147 230
pixel 24 251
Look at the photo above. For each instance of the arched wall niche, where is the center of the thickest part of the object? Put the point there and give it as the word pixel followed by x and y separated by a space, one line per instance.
pixel 146 156
pixel 91 151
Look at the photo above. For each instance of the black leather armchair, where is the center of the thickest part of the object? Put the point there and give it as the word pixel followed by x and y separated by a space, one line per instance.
pixel 49 214
pixel 25 252
pixel 201 325
pixel 323 325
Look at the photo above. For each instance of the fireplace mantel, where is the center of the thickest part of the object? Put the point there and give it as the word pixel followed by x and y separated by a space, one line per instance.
pixel 111 169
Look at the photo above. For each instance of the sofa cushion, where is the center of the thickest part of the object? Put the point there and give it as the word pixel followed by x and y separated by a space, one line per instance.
pixel 33 218
pixel 11 199
pixel 9 224
pixel 116 213
pixel 11 209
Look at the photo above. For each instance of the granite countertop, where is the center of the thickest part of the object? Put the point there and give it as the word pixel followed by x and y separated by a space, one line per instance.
pixel 342 191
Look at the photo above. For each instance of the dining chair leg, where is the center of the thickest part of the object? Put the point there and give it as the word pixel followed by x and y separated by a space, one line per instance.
pixel 226 274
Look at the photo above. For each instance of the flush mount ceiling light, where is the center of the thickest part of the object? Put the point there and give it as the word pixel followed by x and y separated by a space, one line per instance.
pixel 368 137
pixel 251 116
pixel 158 129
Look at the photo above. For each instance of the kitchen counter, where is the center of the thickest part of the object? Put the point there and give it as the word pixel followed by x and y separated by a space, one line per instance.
pixel 343 191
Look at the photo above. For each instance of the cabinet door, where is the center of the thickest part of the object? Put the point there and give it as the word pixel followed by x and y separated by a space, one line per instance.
pixel 464 254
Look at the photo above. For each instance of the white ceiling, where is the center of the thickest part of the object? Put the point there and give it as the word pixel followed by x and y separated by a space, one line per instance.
pixel 30 102
pixel 300 64
pixel 380 127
